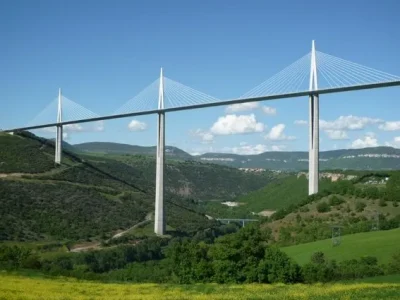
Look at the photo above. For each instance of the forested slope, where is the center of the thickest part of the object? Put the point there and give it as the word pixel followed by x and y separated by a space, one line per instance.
pixel 92 196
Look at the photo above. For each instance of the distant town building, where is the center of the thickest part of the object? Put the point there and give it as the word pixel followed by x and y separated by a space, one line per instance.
pixel 217 159
pixel 332 176
pixel 229 203
pixel 252 170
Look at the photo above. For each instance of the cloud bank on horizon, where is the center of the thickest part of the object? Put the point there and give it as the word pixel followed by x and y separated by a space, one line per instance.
pixel 240 120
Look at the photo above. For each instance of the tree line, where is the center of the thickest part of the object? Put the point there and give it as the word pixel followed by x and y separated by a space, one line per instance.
pixel 222 255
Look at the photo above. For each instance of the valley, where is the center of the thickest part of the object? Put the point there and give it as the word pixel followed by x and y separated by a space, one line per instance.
pixel 92 218
pixel 208 150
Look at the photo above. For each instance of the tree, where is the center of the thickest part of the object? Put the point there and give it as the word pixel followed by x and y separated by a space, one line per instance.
pixel 393 187
pixel 318 258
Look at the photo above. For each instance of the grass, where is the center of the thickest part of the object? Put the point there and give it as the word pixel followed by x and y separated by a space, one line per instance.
pixel 147 229
pixel 381 244
pixel 380 279
pixel 279 194
pixel 19 287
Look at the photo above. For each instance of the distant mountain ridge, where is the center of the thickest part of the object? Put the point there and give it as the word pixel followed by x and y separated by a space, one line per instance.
pixel 373 158
pixel 118 148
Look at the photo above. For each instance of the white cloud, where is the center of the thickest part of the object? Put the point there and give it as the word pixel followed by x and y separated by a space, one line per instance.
pixel 337 134
pixel 348 123
pixel 200 150
pixel 395 143
pixel 300 122
pixel 249 149
pixel 277 134
pixel 234 124
pixel 246 149
pixel 48 129
pixel 136 125
pixel 243 149
pixel 278 147
pixel 242 107
pixel 369 140
pixel 73 128
pixel 99 126
pixel 337 129
pixel 65 136
pixel 390 126
pixel 269 110
pixel 195 153
pixel 370 134
pixel 205 136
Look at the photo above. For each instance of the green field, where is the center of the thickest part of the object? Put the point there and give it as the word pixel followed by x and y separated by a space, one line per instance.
pixel 18 287
pixel 381 244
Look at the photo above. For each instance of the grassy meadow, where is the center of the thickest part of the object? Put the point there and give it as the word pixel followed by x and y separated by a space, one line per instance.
pixel 381 244
pixel 19 287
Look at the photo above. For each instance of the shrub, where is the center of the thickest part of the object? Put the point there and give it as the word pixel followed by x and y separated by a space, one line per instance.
pixel 298 218
pixel 323 207
pixel 364 267
pixel 318 258
pixel 360 206
pixel 394 264
pixel 382 202
pixel 304 209
pixel 334 200
pixel 319 269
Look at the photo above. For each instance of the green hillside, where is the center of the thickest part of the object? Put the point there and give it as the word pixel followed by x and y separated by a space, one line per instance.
pixel 381 244
pixel 197 180
pixel 366 202
pixel 35 210
pixel 92 196
pixel 16 155
pixel 280 193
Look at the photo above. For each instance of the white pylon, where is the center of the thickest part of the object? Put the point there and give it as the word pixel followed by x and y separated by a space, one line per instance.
pixel 313 160
pixel 159 215
pixel 59 133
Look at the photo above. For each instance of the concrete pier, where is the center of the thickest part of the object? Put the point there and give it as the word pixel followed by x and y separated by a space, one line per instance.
pixel 313 160
pixel 159 215
pixel 59 133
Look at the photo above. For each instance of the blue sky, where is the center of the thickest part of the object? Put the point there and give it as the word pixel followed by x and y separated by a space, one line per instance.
pixel 103 53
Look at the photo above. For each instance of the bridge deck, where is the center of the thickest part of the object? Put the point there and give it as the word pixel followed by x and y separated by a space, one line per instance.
pixel 220 103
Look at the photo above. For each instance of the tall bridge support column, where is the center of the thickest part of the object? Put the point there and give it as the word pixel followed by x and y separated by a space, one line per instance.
pixel 313 160
pixel 58 144
pixel 159 216
pixel 59 133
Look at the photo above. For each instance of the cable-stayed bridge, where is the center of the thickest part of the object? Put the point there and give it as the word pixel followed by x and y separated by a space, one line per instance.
pixel 314 74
